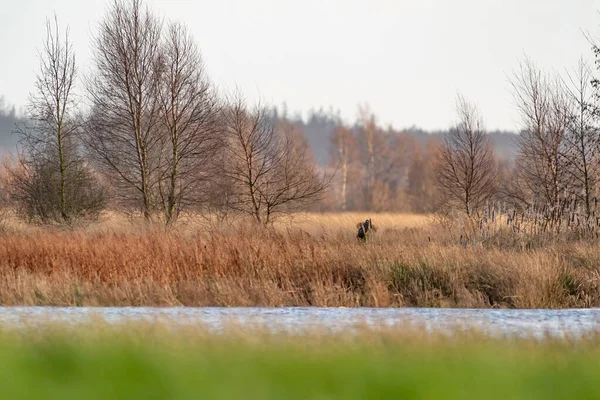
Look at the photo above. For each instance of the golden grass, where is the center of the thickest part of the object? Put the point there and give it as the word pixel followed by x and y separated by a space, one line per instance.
pixel 307 260
pixel 335 222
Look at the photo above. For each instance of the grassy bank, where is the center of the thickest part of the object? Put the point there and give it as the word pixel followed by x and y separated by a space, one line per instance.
pixel 308 261
pixel 152 364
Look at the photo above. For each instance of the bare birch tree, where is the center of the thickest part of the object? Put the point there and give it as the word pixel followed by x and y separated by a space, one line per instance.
pixel 52 182
pixel 581 152
pixel 123 133
pixel 270 168
pixel 369 135
pixel 466 168
pixel 189 110
pixel 541 168
pixel 343 156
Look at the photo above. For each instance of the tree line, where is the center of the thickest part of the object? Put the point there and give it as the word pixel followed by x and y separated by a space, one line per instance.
pixel 553 175
pixel 382 169
pixel 555 178
pixel 156 137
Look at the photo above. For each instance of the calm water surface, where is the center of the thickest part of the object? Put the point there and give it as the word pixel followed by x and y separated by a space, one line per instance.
pixel 496 322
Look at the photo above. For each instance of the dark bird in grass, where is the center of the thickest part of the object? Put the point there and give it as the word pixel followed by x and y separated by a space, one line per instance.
pixel 364 228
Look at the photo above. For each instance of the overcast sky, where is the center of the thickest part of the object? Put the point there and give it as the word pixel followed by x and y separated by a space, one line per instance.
pixel 407 59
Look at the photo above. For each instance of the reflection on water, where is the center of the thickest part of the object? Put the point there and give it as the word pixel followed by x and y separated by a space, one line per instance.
pixel 501 322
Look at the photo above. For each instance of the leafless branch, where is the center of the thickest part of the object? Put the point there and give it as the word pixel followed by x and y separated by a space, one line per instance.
pixel 466 169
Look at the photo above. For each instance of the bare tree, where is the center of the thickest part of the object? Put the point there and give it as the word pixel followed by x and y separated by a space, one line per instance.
pixel 53 182
pixel 270 167
pixel 466 169
pixel 369 136
pixel 384 158
pixel 190 116
pixel 581 150
pixel 421 188
pixel 343 157
pixel 391 170
pixel 541 168
pixel 123 133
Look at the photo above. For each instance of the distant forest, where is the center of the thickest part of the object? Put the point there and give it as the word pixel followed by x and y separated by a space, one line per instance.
pixel 8 119
pixel 380 168
pixel 403 176
pixel 318 129
pixel 320 125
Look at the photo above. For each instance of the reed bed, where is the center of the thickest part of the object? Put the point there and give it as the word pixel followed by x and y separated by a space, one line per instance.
pixel 308 260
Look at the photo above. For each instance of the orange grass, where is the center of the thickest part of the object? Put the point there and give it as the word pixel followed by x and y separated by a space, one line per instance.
pixel 314 262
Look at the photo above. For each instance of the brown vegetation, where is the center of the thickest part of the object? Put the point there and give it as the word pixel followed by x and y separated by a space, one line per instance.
pixel 408 262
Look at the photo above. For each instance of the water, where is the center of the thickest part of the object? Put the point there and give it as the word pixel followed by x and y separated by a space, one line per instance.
pixel 535 323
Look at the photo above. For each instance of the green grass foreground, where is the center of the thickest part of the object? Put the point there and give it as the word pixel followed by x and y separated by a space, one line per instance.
pixel 137 364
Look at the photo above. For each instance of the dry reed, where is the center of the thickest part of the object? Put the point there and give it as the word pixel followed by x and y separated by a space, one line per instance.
pixel 315 261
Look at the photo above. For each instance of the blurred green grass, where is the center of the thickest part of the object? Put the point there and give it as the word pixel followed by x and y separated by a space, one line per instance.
pixel 135 363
